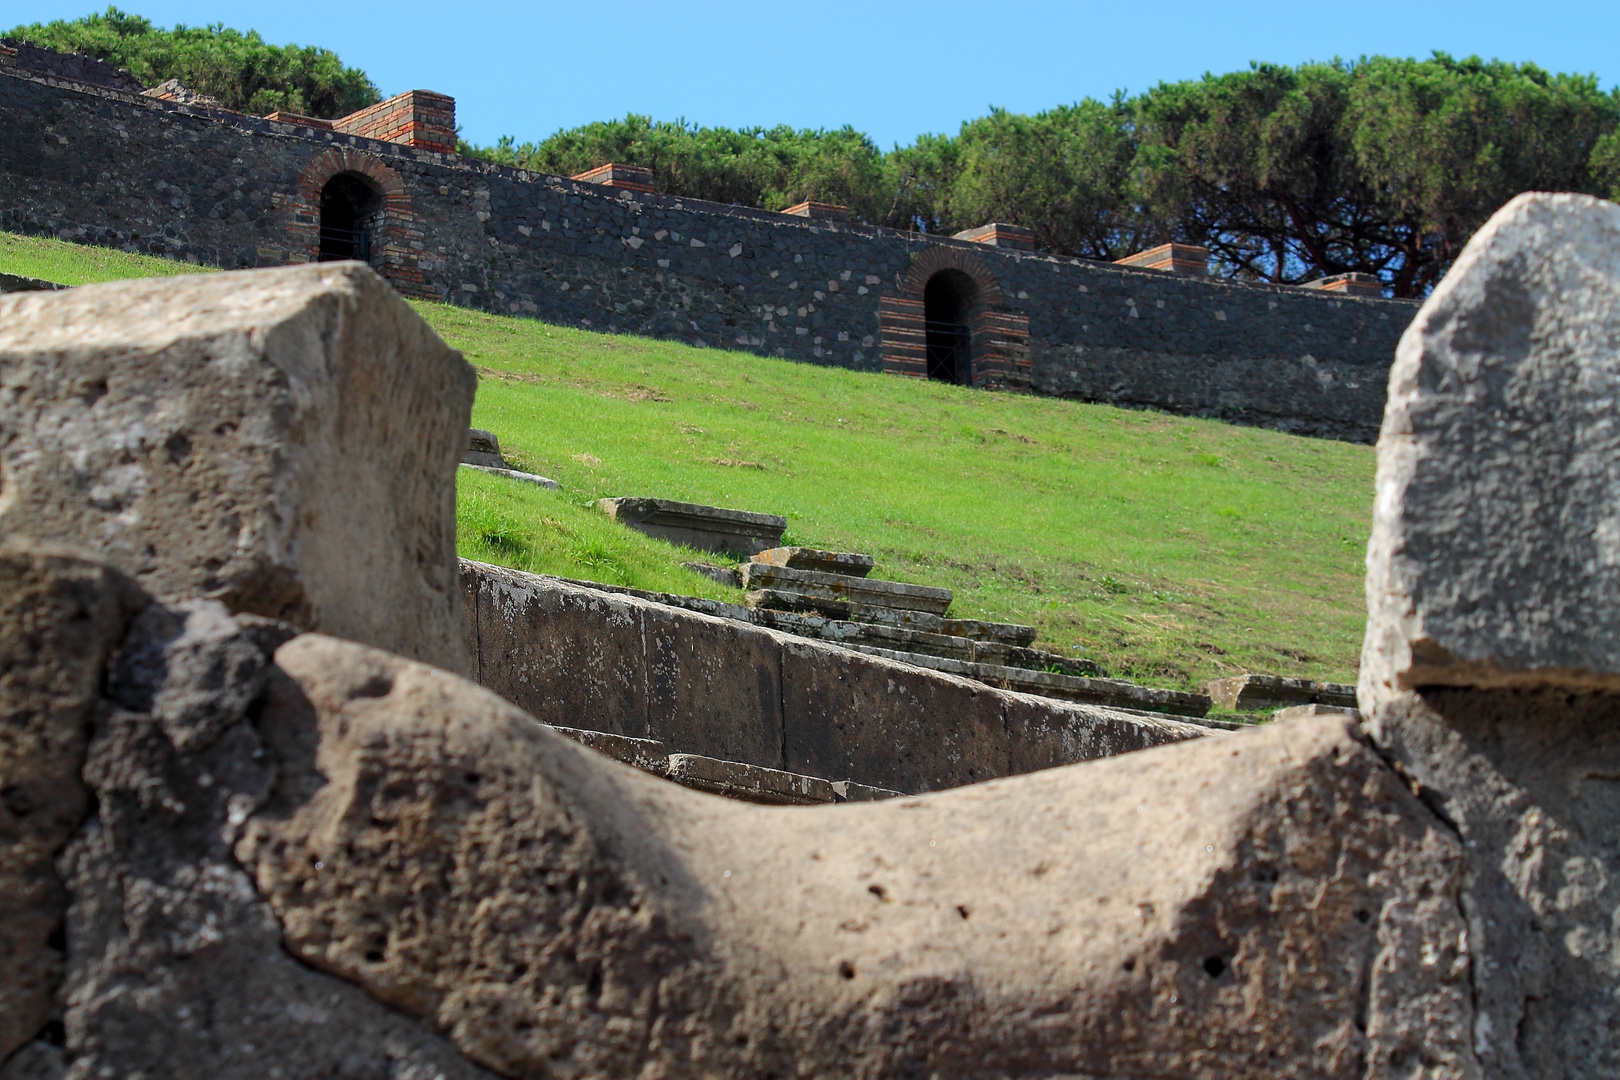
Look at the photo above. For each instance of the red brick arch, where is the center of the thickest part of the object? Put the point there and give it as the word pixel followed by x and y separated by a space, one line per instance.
pixel 400 236
pixel 999 336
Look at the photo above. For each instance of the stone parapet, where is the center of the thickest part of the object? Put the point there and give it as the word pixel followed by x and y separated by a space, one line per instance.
pixel 719 687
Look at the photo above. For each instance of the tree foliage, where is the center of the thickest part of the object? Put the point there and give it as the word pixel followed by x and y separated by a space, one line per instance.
pixel 1380 166
pixel 1384 166
pixel 239 69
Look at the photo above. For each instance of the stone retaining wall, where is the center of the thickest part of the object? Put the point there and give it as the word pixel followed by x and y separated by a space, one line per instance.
pixel 101 165
pixel 579 658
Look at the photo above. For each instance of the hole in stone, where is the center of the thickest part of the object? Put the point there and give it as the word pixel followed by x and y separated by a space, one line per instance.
pixel 58 939
pixel 846 969
pixel 95 391
pixel 961 909
pixel 1214 967
pixel 178 447
pixel 877 891
pixel 376 686
pixel 1130 965
pixel 54 1032
pixel 1363 916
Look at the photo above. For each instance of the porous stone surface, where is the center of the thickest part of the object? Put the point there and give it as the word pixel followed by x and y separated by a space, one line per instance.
pixel 61 615
pixel 303 424
pixel 1490 661
pixel 175 963
pixel 1273 903
pixel 1495 553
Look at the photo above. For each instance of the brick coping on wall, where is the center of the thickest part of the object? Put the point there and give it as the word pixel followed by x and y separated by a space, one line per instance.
pixel 322 136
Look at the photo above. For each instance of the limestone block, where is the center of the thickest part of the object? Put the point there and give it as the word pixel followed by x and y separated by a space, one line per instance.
pixel 714 687
pixel 1042 734
pixel 1246 692
pixel 849 563
pixel 572 657
pixel 706 528
pixel 283 441
pixel 1273 903
pixel 878 722
pixel 858 593
pixel 1495 553
pixel 61 615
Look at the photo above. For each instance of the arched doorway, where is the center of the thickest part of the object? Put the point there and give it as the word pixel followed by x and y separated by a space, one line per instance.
pixel 948 302
pixel 351 214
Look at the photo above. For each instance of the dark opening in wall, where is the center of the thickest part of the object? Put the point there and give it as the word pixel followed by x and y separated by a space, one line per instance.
pixel 351 213
pixel 948 302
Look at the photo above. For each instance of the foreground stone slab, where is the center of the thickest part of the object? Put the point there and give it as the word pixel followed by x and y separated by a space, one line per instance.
pixel 849 563
pixel 1248 692
pixel 1495 553
pixel 61 616
pixel 283 441
pixel 856 595
pixel 706 528
pixel 1493 590
pixel 1273 903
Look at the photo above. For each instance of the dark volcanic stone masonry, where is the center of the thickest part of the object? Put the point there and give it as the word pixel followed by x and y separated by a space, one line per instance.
pixel 101 164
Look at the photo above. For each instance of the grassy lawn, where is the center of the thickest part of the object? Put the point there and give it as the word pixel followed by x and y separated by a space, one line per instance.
pixel 1169 550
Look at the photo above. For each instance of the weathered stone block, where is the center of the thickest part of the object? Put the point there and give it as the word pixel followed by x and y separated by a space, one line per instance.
pixel 860 594
pixel 1242 692
pixel 849 563
pixel 714 687
pixel 1495 553
pixel 878 722
pixel 1044 734
pixel 61 617
pixel 283 441
pixel 1491 667
pixel 1274 903
pixel 706 528
pixel 571 657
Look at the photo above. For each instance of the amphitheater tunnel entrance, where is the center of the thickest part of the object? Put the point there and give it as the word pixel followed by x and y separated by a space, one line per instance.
pixel 351 217
pixel 949 302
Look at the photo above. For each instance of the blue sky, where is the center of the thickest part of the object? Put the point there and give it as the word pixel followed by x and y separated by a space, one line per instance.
pixel 891 68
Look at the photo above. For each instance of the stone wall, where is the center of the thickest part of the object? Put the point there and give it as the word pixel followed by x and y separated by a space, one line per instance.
pixel 579 658
pixel 103 165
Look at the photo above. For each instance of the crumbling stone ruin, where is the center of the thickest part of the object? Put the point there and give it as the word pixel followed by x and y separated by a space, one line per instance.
pixel 250 830
pixel 91 156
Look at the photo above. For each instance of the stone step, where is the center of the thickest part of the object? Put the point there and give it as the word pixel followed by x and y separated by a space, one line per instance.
pixel 930 643
pixel 515 474
pixel 842 593
pixel 848 563
pixel 1246 692
pixel 484 449
pixel 1113 692
pixel 706 528
pixel 733 779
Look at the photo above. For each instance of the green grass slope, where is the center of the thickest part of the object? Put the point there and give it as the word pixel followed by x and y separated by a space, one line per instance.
pixel 77 264
pixel 1170 550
